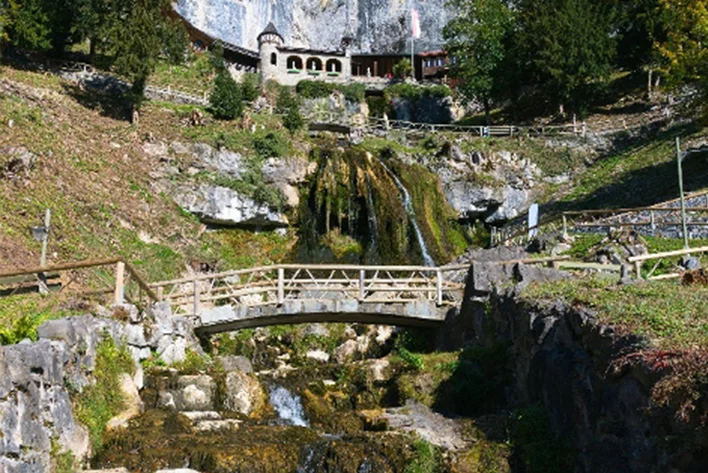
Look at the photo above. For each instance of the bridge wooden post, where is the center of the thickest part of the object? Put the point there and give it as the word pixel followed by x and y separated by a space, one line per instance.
pixel 281 286
pixel 362 278
pixel 195 284
pixel 118 295
pixel 439 288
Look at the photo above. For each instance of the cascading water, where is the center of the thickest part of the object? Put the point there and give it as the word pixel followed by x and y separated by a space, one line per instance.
pixel 373 222
pixel 288 406
pixel 408 205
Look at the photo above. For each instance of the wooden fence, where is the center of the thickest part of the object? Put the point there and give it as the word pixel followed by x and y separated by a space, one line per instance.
pixel 571 221
pixel 90 278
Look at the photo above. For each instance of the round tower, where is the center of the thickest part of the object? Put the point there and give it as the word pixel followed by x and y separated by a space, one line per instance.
pixel 268 43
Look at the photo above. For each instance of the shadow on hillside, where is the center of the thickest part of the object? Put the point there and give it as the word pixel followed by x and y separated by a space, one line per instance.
pixel 112 104
pixel 646 186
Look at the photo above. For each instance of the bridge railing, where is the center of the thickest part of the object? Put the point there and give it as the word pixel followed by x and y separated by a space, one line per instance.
pixel 278 285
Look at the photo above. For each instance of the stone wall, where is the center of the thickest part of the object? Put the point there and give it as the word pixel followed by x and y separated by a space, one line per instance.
pixel 36 415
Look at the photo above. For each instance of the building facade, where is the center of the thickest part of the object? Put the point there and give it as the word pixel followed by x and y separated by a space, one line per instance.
pixel 288 66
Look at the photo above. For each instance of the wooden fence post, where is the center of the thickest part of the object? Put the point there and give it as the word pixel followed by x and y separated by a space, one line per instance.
pixel 439 288
pixel 638 269
pixel 653 223
pixel 281 286
pixel 195 284
pixel 565 227
pixel 362 282
pixel 118 295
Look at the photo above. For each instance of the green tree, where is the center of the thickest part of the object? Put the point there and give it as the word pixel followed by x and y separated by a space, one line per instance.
pixel 475 39
pixel 570 45
pixel 175 41
pixel 249 87
pixel 684 53
pixel 288 105
pixel 29 25
pixel 403 68
pixel 226 99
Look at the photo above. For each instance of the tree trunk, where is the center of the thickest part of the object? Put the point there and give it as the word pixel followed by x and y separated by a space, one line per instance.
pixel 487 111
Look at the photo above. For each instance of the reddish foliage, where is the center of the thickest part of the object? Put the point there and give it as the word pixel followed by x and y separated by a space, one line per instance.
pixel 697 277
pixel 684 379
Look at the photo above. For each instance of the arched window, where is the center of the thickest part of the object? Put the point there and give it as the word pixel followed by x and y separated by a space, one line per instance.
pixel 274 59
pixel 314 64
pixel 334 66
pixel 294 63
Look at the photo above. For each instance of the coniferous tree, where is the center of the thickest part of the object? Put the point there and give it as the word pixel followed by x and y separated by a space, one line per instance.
pixel 226 99
pixel 28 25
pixel 570 46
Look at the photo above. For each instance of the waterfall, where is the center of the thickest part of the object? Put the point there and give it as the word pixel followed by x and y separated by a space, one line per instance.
pixel 288 406
pixel 373 222
pixel 408 205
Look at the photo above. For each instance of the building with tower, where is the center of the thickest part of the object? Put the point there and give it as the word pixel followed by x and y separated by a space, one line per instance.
pixel 288 65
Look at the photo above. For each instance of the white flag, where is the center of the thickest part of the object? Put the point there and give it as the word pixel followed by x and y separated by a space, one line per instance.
pixel 415 23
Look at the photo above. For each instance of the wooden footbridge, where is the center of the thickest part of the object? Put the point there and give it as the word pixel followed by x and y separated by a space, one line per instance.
pixel 290 294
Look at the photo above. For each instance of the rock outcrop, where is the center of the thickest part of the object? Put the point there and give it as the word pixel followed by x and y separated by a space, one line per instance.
pixel 223 206
pixel 495 186
pixel 36 413
pixel 561 358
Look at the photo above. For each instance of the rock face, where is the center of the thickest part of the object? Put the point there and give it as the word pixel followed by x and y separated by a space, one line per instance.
pixel 224 206
pixel 561 360
pixel 494 187
pixel 286 174
pixel 378 26
pixel 35 407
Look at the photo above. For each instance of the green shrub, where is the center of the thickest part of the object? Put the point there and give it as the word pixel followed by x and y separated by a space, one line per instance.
pixel 311 89
pixel 103 399
pixel 288 105
pixel 23 327
pixel 411 360
pixel 249 87
pixel 426 460
pixel 272 145
pixel 403 68
pixel 193 363
pixel 226 101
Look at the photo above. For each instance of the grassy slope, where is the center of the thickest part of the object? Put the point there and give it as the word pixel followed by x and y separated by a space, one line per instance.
pixel 92 173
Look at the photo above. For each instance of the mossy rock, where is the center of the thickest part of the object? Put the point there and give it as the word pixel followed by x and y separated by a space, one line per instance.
pixel 331 412
pixel 484 457
pixel 162 439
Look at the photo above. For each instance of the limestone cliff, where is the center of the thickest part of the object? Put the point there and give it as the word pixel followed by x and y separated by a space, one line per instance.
pixel 378 26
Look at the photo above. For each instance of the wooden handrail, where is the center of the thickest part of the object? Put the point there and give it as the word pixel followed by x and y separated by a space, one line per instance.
pixel 84 265
pixel 667 254
pixel 140 281
pixel 61 267
pixel 342 267
pixel 636 209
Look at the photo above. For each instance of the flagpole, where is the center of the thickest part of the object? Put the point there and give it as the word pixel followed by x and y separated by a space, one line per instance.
pixel 413 56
